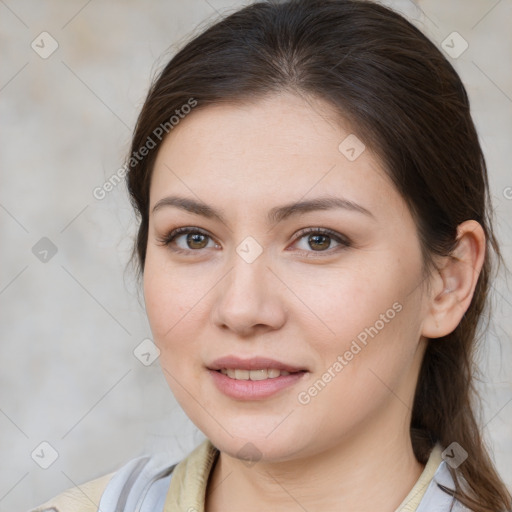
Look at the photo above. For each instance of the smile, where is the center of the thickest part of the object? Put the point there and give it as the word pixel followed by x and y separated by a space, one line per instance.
pixel 265 373
pixel 254 384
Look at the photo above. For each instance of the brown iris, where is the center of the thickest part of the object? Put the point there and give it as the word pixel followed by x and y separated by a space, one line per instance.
pixel 321 241
pixel 197 240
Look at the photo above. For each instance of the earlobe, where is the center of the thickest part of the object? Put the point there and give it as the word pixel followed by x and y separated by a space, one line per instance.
pixel 456 281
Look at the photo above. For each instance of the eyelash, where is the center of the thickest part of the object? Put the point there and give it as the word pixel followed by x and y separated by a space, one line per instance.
pixel 342 240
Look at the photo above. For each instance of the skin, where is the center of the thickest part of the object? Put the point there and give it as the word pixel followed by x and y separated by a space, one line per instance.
pixel 298 302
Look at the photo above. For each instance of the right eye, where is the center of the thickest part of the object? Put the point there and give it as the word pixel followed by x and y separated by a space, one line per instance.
pixel 186 240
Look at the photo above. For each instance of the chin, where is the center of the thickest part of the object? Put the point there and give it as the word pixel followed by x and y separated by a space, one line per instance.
pixel 257 447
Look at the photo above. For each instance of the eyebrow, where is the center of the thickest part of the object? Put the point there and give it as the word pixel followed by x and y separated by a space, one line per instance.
pixel 275 215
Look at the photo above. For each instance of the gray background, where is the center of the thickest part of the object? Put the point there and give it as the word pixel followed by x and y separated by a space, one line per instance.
pixel 68 375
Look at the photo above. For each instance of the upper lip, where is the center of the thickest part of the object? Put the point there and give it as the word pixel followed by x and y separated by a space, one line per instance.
pixel 254 363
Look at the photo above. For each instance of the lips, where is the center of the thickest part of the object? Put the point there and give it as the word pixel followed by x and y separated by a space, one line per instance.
pixel 254 363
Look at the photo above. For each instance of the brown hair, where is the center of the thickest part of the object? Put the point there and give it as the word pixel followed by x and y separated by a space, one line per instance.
pixel 407 103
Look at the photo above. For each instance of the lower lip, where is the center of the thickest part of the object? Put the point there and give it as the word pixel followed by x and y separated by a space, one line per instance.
pixel 253 389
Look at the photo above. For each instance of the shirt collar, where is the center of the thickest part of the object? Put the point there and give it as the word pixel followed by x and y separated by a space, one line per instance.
pixel 187 489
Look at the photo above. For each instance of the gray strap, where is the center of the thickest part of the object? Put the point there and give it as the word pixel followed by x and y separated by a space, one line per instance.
pixel 140 485
pixel 128 484
pixel 155 493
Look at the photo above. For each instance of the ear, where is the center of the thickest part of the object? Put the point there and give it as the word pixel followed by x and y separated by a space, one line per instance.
pixel 454 282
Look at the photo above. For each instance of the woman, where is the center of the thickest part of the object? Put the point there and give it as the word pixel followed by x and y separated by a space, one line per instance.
pixel 315 246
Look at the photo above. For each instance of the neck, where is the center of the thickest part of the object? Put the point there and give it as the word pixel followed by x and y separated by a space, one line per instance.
pixel 371 470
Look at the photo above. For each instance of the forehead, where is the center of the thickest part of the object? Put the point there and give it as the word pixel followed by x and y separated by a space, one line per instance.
pixel 285 122
pixel 285 145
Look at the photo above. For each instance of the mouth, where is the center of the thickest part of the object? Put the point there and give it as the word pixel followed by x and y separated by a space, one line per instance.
pixel 260 374
pixel 253 379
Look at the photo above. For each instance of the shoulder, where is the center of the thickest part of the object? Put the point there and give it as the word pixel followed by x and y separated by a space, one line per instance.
pixel 82 498
pixel 146 476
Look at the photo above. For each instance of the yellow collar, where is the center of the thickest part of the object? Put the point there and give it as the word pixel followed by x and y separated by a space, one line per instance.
pixel 187 489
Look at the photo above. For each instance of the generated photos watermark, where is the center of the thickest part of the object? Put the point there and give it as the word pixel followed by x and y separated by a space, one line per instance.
pixel 158 134
pixel 356 346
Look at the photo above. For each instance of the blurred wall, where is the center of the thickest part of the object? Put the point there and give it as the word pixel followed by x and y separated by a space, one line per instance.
pixel 73 77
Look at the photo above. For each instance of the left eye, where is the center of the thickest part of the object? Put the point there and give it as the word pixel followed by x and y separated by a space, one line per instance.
pixel 320 240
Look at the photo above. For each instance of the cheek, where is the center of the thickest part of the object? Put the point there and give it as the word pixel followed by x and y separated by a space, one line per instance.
pixel 338 304
pixel 172 297
pixel 362 370
pixel 173 307
pixel 365 320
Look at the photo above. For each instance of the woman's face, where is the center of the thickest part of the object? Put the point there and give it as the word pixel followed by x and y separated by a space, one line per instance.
pixel 250 280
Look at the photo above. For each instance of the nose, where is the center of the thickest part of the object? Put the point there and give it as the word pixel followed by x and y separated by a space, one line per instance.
pixel 248 300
